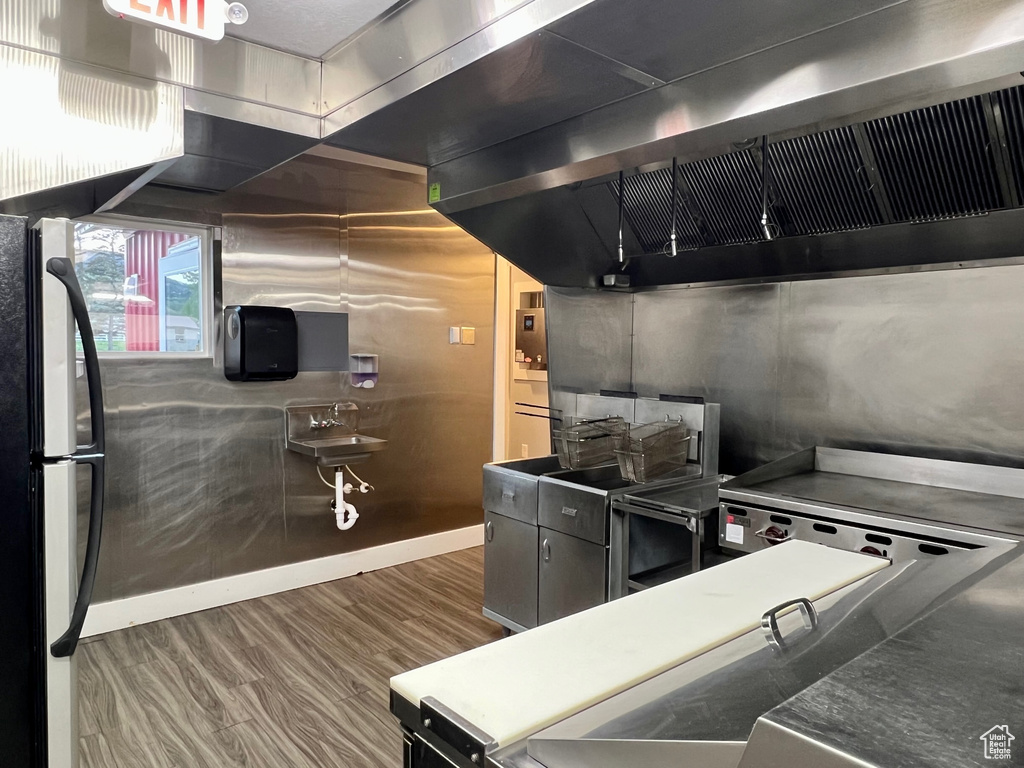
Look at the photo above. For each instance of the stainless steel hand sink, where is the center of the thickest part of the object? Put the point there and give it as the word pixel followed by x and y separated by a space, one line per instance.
pixel 328 433
pixel 334 451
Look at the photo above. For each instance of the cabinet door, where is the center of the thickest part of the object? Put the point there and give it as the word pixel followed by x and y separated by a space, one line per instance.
pixel 573 575
pixel 510 569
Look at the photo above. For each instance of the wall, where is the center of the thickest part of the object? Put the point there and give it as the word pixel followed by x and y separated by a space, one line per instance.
pixel 590 334
pixel 925 363
pixel 199 483
pixel 516 436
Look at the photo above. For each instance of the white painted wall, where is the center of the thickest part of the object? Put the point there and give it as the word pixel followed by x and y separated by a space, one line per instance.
pixel 515 435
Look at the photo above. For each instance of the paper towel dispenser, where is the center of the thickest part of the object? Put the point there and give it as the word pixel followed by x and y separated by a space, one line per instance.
pixel 260 344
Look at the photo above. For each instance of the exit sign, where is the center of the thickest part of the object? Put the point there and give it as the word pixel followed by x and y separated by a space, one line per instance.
pixel 197 18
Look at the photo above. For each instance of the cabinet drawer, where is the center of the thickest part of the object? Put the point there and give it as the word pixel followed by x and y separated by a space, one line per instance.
pixel 573 509
pixel 513 493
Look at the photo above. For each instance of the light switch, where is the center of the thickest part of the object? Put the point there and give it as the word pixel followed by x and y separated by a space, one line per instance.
pixel 454 335
pixel 468 334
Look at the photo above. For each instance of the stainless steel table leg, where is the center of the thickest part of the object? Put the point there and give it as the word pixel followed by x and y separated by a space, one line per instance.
pixel 696 537
pixel 618 557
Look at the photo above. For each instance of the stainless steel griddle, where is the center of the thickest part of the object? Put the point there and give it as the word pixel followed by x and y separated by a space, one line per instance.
pixel 900 507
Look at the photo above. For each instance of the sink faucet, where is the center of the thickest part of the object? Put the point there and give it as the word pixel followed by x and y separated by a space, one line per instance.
pixel 331 421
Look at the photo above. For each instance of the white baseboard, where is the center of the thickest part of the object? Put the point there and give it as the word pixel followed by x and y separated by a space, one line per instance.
pixel 142 609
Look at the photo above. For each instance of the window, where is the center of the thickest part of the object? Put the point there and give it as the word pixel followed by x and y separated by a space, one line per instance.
pixel 147 286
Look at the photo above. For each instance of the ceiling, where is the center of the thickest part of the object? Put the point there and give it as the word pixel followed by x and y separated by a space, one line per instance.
pixel 308 28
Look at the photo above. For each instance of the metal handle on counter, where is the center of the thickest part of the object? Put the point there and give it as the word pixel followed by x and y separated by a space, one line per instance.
pixel 489 530
pixel 770 621
pixel 545 549
pixel 93 454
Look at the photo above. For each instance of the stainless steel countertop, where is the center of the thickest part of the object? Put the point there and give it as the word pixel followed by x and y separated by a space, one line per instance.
pixel 887 680
pixel 926 696
pixel 1000 514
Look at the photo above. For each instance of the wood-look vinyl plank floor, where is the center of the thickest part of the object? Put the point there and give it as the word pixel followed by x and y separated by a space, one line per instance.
pixel 298 679
pixel 250 745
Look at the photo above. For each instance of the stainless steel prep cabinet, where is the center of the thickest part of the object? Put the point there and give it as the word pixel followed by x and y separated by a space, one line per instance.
pixel 511 542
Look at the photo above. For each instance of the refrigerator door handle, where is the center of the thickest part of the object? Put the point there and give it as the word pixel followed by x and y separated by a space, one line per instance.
pixel 64 270
pixel 93 454
pixel 66 644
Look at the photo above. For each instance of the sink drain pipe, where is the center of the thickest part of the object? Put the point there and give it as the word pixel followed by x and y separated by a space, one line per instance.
pixel 344 512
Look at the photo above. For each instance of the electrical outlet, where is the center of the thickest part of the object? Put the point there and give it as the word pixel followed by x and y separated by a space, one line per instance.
pixel 524 451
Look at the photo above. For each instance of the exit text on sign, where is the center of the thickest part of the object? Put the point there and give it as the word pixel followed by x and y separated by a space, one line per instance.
pixel 197 18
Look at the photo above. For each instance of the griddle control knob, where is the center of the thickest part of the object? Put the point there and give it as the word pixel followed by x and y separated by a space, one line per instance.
pixel 871 551
pixel 775 535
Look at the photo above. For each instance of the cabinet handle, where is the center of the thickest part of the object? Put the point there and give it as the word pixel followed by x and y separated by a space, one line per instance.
pixel 489 528
pixel 545 549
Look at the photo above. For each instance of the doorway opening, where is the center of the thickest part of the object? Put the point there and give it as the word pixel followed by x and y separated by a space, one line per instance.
pixel 521 429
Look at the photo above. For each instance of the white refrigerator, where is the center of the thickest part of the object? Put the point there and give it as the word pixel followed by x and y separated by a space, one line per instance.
pixel 46 599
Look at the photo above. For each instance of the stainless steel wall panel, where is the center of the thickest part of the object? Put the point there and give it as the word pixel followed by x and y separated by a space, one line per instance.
pixel 721 344
pixel 200 483
pixel 291 261
pixel 924 361
pixel 589 343
pixel 31 24
pixel 69 122
pixel 412 275
pixel 155 520
pixel 920 362
pixel 81 31
pixel 252 73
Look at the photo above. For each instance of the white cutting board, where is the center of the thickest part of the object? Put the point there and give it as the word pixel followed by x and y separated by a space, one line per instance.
pixel 514 687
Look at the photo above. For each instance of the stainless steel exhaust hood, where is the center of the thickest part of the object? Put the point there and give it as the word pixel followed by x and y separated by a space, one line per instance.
pixel 878 113
pixel 219 154
pixel 100 107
